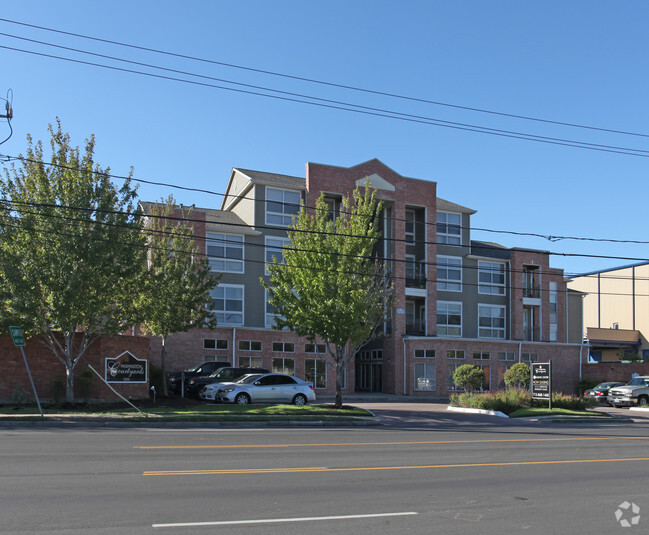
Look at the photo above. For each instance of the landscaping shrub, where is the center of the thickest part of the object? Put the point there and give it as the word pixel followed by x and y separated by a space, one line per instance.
pixel 518 376
pixel 573 403
pixel 469 377
pixel 505 401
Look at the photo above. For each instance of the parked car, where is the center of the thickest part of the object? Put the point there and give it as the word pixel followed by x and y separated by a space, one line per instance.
pixel 600 391
pixel 635 392
pixel 205 368
pixel 267 388
pixel 198 386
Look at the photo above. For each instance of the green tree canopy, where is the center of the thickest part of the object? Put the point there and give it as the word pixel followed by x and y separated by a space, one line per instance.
pixel 175 294
pixel 71 249
pixel 328 285
pixel 518 375
pixel 469 377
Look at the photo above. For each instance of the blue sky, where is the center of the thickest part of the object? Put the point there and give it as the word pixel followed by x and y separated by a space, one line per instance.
pixel 580 62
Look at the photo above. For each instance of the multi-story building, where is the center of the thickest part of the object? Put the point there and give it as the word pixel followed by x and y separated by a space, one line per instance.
pixel 458 301
pixel 616 318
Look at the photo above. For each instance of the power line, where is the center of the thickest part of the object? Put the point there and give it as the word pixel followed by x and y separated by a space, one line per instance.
pixel 366 110
pixel 326 83
pixel 211 192
pixel 206 239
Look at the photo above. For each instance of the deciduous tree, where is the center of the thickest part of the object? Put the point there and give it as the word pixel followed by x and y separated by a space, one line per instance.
pixel 71 249
pixel 328 285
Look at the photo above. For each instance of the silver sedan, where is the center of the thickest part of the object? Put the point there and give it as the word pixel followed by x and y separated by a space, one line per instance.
pixel 267 388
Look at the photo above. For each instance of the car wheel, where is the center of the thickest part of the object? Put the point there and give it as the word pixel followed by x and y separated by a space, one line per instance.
pixel 643 401
pixel 242 399
pixel 299 399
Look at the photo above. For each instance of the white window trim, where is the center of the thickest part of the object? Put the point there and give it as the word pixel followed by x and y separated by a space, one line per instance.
pixel 268 248
pixel 446 235
pixel 243 303
pixel 504 328
pixel 449 281
pixel 482 285
pixel 447 325
pixel 227 242
pixel 284 202
pixel 426 365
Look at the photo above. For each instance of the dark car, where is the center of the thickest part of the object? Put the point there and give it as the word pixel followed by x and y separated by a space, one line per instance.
pixel 194 385
pixel 600 391
pixel 205 368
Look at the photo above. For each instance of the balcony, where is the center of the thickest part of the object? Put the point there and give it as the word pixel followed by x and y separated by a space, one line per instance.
pixel 531 335
pixel 415 276
pixel 416 328
pixel 532 292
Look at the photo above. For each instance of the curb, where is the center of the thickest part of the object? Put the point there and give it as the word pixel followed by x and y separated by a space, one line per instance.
pixel 477 411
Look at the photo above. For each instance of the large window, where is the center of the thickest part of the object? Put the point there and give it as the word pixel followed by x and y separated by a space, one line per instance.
pixel 228 304
pixel 225 252
pixel 250 345
pixel 491 278
pixel 315 372
pixel 251 362
pixel 491 321
pixel 410 227
pixel 449 319
pixel 271 313
pixel 281 206
pixel 425 373
pixel 554 311
pixel 449 228
pixel 274 247
pixel 284 365
pixel 449 273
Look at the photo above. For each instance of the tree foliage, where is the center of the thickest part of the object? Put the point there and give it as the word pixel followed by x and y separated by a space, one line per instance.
pixel 328 285
pixel 175 294
pixel 518 375
pixel 71 249
pixel 469 377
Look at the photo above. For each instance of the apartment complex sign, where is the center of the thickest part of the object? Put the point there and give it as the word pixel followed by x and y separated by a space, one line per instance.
pixel 126 369
pixel 541 380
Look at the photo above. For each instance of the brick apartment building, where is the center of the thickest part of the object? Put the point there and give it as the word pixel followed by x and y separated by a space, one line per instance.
pixel 458 301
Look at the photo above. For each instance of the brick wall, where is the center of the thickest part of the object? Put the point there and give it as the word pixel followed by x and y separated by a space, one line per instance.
pixel 45 368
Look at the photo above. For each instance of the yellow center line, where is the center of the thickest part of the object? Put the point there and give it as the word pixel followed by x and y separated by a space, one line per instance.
pixel 263 446
pixel 370 468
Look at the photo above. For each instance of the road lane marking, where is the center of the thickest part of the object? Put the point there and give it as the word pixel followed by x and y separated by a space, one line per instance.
pixel 371 468
pixel 280 520
pixel 263 446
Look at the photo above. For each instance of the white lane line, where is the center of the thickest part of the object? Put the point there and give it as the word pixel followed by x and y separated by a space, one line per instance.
pixel 278 520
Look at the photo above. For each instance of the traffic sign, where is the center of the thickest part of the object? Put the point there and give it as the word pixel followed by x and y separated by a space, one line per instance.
pixel 18 336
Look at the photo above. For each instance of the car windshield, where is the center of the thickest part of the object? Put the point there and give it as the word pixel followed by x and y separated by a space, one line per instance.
pixel 195 368
pixel 220 374
pixel 246 379
pixel 639 381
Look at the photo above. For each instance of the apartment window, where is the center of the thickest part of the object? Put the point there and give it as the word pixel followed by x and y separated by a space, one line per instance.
pixel 282 206
pixel 271 313
pixel 215 358
pixel 482 355
pixel 249 345
pixel 491 321
pixel 225 252
pixel 315 348
pixel 228 304
pixel 284 365
pixel 455 354
pixel 315 372
pixel 529 357
pixel 410 227
pixel 449 228
pixel 449 273
pixel 554 309
pixel 449 319
pixel 211 343
pixel 284 347
pixel 333 209
pixel 250 362
pixel 424 353
pixel 274 247
pixel 491 278
pixel 425 376
pixel 508 356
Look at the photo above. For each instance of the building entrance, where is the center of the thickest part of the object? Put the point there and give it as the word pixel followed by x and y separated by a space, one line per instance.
pixel 369 371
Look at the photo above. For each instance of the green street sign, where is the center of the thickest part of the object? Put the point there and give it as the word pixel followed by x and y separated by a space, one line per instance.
pixel 18 336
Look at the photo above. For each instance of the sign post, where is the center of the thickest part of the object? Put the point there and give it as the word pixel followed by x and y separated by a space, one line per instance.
pixel 18 337
pixel 542 381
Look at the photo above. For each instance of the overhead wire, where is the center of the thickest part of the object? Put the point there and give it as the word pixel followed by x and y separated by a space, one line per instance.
pixel 366 110
pixel 323 82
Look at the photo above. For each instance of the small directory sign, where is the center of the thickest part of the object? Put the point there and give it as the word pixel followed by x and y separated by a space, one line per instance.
pixel 18 336
pixel 541 380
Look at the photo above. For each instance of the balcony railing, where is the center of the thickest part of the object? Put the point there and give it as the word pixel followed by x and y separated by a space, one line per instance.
pixel 532 292
pixel 415 276
pixel 416 328
pixel 532 335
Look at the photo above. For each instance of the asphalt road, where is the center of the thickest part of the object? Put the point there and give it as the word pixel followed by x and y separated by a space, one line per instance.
pixel 432 473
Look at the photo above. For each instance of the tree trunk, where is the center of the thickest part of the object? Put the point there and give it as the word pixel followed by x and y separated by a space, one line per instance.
pixel 69 381
pixel 163 366
pixel 340 368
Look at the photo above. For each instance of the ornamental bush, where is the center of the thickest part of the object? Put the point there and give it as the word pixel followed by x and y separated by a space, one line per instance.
pixel 505 401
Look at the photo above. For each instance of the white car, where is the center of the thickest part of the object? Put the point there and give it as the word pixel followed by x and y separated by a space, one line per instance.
pixel 267 388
